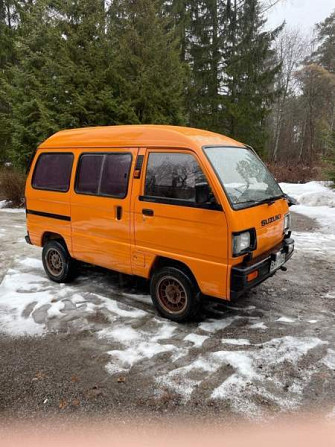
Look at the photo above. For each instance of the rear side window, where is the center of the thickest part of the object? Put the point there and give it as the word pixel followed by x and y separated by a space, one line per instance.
pixel 88 178
pixel 173 176
pixel 53 172
pixel 115 173
pixel 104 174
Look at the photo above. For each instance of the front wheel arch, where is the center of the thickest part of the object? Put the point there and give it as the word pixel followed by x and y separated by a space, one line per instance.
pixel 162 261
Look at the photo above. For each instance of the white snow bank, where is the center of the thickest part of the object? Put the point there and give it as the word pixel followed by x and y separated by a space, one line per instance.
pixel 311 193
pixel 315 200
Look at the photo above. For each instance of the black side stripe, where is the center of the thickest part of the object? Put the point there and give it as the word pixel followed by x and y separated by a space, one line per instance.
pixel 50 215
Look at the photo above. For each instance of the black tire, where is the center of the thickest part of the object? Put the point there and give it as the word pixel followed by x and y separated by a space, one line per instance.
pixel 175 294
pixel 57 262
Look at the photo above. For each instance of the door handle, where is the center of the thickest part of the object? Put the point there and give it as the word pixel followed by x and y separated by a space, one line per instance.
pixel 147 212
pixel 118 212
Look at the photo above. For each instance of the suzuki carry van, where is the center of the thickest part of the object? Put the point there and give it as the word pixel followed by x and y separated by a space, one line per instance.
pixel 196 213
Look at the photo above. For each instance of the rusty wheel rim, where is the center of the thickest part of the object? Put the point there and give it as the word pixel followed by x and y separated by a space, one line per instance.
pixel 171 294
pixel 54 262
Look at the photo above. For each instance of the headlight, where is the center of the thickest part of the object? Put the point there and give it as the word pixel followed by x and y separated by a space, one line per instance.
pixel 244 242
pixel 287 222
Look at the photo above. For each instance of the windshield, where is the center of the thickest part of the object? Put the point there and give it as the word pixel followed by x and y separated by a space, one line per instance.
pixel 244 177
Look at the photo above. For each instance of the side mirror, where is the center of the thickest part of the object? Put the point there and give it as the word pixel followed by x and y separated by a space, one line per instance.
pixel 203 194
pixel 291 200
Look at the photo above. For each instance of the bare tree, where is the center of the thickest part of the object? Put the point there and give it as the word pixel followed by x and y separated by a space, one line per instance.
pixel 291 49
pixel 318 88
pixel 268 4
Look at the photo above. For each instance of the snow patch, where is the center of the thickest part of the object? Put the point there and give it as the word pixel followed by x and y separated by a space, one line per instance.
pixel 12 210
pixel 255 373
pixel 260 325
pixel 329 359
pixel 31 262
pixel 138 345
pixel 330 295
pixel 236 341
pixel 285 320
pixel 197 340
pixel 215 325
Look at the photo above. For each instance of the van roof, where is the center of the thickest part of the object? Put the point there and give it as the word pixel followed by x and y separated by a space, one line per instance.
pixel 136 136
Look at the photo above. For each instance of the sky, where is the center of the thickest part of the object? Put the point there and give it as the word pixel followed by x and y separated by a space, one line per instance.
pixel 302 14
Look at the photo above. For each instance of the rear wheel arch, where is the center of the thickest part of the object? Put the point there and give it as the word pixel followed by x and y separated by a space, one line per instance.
pixel 51 236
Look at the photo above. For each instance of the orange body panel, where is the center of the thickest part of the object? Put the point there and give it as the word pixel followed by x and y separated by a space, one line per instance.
pixel 94 233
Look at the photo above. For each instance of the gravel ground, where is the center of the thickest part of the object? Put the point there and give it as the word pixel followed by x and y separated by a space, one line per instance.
pixel 96 347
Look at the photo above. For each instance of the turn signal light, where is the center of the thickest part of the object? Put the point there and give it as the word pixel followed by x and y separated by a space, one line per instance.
pixel 253 275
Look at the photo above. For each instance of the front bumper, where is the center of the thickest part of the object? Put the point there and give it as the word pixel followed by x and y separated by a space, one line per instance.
pixel 240 273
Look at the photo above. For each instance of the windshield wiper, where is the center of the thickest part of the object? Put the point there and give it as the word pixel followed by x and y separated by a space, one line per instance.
pixel 269 200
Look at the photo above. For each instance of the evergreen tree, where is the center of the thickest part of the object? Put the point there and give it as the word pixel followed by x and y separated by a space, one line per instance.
pixel 325 53
pixel 148 57
pixel 232 67
pixel 64 76
pixel 179 13
pixel 250 74
pixel 81 64
pixel 205 50
pixel 7 36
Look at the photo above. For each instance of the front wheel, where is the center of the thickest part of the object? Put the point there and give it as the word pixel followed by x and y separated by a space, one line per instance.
pixel 57 262
pixel 175 295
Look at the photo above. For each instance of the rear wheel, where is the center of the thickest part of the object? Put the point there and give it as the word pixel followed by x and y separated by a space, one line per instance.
pixel 57 262
pixel 174 294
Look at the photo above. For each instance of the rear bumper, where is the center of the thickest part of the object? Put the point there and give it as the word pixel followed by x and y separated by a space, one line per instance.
pixel 27 238
pixel 262 265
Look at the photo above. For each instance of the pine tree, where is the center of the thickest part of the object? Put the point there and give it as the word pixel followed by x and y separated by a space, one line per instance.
pixel 148 57
pixel 250 70
pixel 7 35
pixel 325 53
pixel 179 13
pixel 64 76
pixel 205 52
pixel 232 68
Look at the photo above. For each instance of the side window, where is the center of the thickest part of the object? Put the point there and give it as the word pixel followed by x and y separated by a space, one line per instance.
pixel 115 174
pixel 173 176
pixel 88 176
pixel 53 172
pixel 104 174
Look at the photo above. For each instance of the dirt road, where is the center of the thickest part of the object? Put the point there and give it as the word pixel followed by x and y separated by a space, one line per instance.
pixel 97 347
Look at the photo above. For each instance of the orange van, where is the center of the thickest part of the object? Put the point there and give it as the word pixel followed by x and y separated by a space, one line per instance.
pixel 196 213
